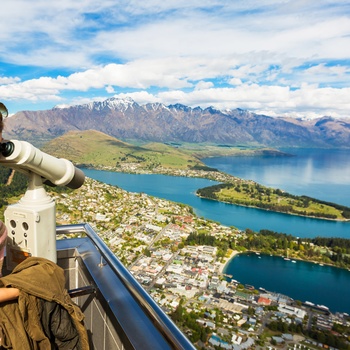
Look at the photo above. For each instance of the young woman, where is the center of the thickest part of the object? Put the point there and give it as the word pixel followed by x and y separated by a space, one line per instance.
pixel 5 293
pixel 3 236
pixel 3 230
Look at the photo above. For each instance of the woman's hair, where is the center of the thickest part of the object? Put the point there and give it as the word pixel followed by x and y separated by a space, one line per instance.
pixel 3 230
pixel 3 115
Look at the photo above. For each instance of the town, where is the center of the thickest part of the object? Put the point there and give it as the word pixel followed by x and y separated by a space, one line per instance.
pixel 149 235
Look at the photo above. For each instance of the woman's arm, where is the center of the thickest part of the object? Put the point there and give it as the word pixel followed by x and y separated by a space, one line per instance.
pixel 8 294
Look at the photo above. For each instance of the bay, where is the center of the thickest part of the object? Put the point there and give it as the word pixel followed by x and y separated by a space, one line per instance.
pixel 182 190
pixel 173 188
pixel 319 173
pixel 304 281
pixel 322 174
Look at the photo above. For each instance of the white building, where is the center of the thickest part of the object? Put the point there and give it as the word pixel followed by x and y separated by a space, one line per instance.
pixel 289 310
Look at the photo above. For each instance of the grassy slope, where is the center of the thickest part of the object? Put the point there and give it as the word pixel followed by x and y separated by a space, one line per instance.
pixel 96 148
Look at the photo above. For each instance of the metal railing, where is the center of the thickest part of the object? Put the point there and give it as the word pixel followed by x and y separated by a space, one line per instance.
pixel 165 326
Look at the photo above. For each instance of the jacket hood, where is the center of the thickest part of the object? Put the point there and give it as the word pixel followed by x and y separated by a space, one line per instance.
pixel 37 276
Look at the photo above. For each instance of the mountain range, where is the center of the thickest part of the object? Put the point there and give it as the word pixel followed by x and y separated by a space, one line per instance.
pixel 126 120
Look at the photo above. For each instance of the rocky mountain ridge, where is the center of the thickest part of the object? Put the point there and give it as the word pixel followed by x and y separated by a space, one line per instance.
pixel 127 120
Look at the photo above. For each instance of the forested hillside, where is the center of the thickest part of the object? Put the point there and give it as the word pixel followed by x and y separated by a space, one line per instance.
pixel 10 186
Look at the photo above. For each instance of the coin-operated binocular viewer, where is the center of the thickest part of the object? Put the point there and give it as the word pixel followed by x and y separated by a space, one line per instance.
pixel 31 223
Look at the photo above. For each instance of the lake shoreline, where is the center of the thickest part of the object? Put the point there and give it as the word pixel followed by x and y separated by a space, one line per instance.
pixel 273 274
pixel 218 176
pixel 275 211
pixel 227 214
pixel 223 266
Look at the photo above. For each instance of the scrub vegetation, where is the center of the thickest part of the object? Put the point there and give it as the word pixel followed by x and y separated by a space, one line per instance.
pixel 96 149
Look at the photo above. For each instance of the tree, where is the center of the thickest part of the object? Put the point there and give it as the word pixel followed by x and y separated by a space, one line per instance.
pixel 147 252
pixel 177 314
pixel 251 311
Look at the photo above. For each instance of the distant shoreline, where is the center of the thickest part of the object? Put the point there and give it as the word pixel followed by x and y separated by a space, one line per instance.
pixel 218 176
pixel 275 211
pixel 227 260
pixel 234 253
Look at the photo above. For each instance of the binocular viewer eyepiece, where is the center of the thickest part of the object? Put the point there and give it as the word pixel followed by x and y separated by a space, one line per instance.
pixel 32 221
pixel 6 148
pixel 24 157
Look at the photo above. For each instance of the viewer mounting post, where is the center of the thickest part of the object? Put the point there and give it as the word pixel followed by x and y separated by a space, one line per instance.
pixel 31 225
pixel 31 222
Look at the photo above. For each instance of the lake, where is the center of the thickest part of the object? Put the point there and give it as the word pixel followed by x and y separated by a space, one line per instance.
pixel 304 281
pixel 182 190
pixel 322 174
pixel 316 173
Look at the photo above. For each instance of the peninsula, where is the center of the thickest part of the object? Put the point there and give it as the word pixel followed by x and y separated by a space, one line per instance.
pixel 255 195
pixel 97 150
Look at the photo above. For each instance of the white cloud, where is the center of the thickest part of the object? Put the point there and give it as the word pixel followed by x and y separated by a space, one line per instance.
pixel 9 80
pixel 204 85
pixel 110 89
pixel 141 97
pixel 235 81
pixel 280 100
pixel 310 101
pixel 282 56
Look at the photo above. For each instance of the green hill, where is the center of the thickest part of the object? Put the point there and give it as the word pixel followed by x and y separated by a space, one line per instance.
pixel 94 148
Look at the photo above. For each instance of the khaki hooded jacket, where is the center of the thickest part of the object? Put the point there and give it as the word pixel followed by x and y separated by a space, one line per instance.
pixel 44 316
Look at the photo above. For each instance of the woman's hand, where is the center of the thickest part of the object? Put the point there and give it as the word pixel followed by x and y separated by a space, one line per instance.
pixel 8 294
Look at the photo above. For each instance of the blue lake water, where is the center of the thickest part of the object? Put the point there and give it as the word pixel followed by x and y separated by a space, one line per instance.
pixel 323 174
pixel 319 173
pixel 304 281
pixel 182 189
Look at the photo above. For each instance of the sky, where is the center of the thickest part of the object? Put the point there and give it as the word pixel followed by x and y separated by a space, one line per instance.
pixel 276 57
